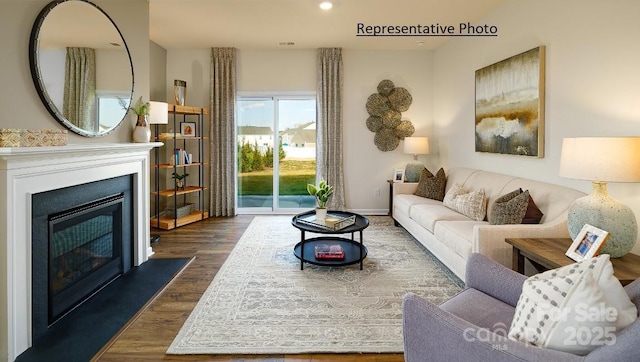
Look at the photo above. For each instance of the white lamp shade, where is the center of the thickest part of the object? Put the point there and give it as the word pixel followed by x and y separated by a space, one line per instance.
pixel 158 112
pixel 609 159
pixel 416 145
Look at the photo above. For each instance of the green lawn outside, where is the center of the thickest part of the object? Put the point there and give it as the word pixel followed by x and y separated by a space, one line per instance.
pixel 294 177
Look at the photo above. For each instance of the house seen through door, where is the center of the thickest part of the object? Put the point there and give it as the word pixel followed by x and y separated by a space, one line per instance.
pixel 276 145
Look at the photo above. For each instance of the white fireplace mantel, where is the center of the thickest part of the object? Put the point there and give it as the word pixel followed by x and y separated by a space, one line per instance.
pixel 28 170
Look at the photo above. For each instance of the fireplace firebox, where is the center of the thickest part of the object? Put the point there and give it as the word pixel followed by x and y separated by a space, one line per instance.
pixel 84 252
pixel 82 240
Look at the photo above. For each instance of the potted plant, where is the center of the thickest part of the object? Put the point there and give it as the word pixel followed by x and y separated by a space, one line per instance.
pixel 142 132
pixel 179 179
pixel 322 193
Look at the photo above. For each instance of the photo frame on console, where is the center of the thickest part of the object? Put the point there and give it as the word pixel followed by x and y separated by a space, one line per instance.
pixel 398 175
pixel 587 243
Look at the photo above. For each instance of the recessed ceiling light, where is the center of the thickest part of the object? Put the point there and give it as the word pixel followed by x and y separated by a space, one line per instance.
pixel 326 5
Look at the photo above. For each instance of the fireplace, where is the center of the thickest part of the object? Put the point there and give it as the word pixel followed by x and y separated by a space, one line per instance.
pixel 28 171
pixel 81 241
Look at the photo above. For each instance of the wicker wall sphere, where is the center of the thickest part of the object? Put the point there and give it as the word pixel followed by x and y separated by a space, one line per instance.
pixel 405 129
pixel 400 99
pixel 385 119
pixel 374 123
pixel 377 105
pixel 386 139
pixel 385 87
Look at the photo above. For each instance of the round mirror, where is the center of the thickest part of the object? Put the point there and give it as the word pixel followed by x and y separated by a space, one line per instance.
pixel 81 67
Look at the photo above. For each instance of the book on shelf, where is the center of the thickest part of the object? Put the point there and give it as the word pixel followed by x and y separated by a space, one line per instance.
pixel 329 251
pixel 181 157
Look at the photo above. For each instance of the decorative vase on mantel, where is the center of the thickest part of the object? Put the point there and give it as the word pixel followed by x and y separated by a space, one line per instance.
pixel 142 132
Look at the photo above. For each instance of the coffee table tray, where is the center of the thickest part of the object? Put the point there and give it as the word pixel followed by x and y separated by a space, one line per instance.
pixel 332 222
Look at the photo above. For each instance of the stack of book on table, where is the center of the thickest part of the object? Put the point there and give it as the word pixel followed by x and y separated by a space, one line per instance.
pixel 329 251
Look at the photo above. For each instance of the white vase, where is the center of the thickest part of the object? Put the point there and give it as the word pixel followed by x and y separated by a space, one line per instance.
pixel 142 132
pixel 321 214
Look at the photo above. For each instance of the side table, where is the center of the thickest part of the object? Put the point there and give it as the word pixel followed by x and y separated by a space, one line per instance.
pixel 548 253
pixel 391 182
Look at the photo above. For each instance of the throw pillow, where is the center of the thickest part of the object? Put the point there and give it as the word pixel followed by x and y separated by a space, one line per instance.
pixel 533 214
pixel 431 186
pixel 469 203
pixel 575 309
pixel 509 208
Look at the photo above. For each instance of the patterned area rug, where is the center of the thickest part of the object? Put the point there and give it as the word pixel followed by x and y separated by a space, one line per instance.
pixel 260 302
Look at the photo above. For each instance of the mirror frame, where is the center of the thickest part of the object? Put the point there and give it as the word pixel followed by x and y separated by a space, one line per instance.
pixel 34 64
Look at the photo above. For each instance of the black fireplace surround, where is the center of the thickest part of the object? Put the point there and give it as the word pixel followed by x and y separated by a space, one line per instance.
pixel 82 238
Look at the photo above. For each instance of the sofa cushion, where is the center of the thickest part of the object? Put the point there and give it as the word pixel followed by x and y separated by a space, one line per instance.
pixel 509 208
pixel 471 203
pixel 431 186
pixel 403 202
pixel 457 235
pixel 574 309
pixel 533 215
pixel 481 310
pixel 428 214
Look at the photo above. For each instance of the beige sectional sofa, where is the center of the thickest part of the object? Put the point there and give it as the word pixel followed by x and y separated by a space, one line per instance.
pixel 452 237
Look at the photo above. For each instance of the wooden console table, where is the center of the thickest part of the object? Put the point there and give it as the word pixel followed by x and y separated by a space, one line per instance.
pixel 548 253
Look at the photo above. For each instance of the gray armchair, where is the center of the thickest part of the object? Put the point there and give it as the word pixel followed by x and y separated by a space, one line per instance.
pixel 473 325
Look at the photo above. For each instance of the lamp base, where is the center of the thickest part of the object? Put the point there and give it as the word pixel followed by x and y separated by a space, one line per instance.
pixel 412 171
pixel 606 213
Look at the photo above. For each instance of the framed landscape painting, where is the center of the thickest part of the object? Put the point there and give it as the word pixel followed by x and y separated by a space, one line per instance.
pixel 510 105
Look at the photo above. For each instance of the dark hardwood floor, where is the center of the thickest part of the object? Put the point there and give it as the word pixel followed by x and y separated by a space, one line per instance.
pixel 149 334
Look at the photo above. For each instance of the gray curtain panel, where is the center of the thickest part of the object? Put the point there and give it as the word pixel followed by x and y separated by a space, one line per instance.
pixel 329 164
pixel 80 88
pixel 222 132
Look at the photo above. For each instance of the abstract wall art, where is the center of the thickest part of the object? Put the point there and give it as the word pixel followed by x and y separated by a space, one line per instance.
pixel 510 105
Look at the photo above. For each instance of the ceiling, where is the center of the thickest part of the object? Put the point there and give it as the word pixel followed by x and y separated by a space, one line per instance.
pixel 263 24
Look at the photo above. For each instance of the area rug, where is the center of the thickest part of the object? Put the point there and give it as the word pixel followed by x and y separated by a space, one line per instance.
pixel 260 302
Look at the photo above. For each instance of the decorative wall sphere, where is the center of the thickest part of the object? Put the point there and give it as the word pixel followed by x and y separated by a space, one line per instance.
pixel 385 87
pixel 405 129
pixel 391 118
pixel 377 105
pixel 386 140
pixel 400 99
pixel 374 123
pixel 385 119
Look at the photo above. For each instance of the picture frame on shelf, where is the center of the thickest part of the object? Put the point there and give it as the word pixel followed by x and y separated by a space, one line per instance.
pixel 398 175
pixel 587 243
pixel 188 129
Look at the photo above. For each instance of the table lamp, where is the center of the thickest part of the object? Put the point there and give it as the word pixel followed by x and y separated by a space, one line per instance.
pixel 602 160
pixel 158 114
pixel 415 146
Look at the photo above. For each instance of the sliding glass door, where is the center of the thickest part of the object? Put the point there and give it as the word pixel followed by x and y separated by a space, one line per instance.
pixel 276 142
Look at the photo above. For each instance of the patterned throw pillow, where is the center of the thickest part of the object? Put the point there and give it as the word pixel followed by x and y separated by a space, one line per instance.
pixel 509 208
pixel 574 309
pixel 431 186
pixel 469 203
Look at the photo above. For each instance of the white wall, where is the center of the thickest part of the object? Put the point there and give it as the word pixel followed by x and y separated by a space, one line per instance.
pixel 592 83
pixel 20 106
pixel 366 167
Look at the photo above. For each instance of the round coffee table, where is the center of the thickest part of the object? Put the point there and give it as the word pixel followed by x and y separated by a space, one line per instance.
pixel 354 251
